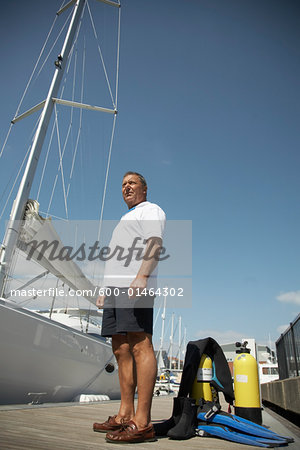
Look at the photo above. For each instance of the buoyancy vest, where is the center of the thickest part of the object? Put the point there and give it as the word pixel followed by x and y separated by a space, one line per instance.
pixel 221 379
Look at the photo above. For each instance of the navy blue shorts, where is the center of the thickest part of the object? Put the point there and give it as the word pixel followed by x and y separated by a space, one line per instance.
pixel 122 314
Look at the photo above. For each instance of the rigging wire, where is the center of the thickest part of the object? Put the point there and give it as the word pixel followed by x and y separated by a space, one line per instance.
pixel 80 123
pixel 19 107
pixel 45 162
pixel 53 299
pixel 6 139
pixel 157 315
pixel 71 121
pixel 53 216
pixel 16 179
pixel 51 49
pixel 18 174
pixel 66 193
pixel 29 81
pixel 118 57
pixel 106 178
pixel 60 166
pixel 113 128
pixel 101 56
pixel 112 135
pixel 55 124
pixel 61 155
pixel 72 110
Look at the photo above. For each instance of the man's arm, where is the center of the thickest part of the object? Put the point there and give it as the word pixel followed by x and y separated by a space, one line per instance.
pixel 149 263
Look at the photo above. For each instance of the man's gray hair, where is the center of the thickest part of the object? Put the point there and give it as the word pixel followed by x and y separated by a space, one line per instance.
pixel 142 179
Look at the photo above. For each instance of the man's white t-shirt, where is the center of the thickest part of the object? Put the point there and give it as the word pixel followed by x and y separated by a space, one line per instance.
pixel 128 242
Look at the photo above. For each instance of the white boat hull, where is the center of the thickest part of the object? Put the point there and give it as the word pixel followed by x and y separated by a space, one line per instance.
pixel 165 387
pixel 42 356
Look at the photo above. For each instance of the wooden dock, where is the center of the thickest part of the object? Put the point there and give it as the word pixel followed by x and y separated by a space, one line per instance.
pixel 68 426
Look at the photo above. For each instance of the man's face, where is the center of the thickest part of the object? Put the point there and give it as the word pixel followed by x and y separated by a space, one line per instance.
pixel 133 190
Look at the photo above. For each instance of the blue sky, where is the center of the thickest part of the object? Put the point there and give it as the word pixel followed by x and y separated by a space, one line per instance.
pixel 209 112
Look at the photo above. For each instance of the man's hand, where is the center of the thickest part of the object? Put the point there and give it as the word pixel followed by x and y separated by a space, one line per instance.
pixel 100 301
pixel 137 285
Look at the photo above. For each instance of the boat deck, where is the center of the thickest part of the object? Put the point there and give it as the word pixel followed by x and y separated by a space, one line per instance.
pixel 68 426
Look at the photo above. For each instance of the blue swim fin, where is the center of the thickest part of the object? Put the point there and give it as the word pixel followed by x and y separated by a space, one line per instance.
pixel 227 433
pixel 239 424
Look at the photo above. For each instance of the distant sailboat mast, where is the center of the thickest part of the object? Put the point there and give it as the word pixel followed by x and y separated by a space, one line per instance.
pixel 171 343
pixel 160 362
pixel 179 344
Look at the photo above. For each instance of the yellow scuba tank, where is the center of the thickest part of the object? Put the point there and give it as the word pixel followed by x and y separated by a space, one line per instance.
pixel 201 386
pixel 246 385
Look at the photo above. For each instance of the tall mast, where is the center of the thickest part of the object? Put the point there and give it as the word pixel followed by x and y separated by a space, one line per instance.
pixel 18 208
pixel 179 343
pixel 171 342
pixel 163 317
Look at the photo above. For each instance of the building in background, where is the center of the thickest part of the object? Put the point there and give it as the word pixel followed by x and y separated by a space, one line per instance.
pixel 265 357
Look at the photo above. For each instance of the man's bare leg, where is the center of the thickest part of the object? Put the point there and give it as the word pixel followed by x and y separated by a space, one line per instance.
pixel 127 376
pixel 146 370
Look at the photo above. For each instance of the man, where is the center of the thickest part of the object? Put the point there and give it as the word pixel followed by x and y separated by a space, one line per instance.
pixel 128 315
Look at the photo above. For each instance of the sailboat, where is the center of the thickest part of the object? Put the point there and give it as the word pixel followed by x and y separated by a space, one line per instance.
pixel 53 354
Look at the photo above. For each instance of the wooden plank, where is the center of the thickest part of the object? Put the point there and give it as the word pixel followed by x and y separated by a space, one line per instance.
pixel 62 427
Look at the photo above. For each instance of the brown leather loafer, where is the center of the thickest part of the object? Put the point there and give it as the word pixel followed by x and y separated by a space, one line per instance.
pixel 130 434
pixel 109 425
